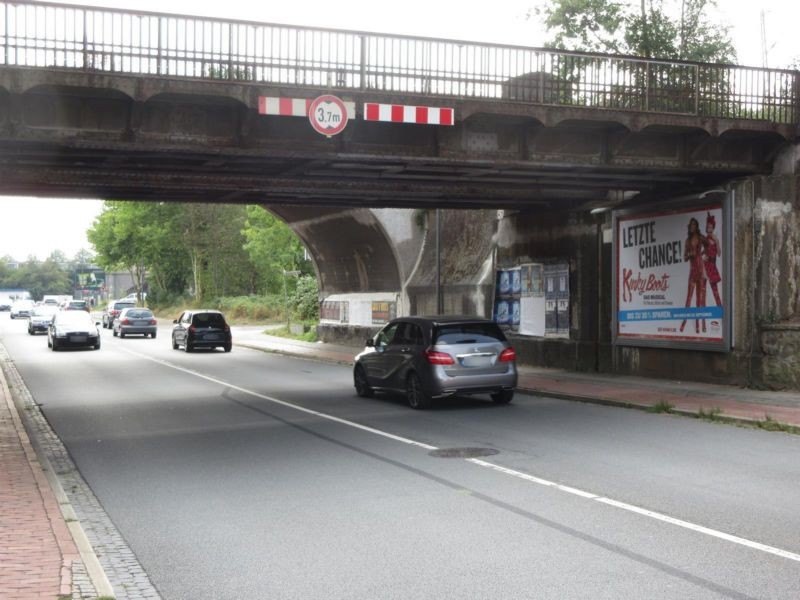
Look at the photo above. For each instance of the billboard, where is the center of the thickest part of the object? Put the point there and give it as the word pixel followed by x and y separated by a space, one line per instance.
pixel 672 276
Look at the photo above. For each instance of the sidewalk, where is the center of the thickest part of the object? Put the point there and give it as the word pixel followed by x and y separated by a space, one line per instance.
pixel 37 551
pixel 720 402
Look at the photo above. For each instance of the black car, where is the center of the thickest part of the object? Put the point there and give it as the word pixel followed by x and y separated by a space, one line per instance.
pixel 201 329
pixel 113 309
pixel 435 357
pixel 73 329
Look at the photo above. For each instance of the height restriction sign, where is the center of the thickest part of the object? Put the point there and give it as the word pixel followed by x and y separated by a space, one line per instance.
pixel 328 115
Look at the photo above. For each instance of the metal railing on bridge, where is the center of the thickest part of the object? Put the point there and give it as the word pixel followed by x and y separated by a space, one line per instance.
pixel 97 39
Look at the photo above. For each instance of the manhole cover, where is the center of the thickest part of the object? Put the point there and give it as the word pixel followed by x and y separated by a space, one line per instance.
pixel 463 452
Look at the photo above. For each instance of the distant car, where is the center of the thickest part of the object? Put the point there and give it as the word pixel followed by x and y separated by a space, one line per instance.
pixel 21 309
pixel 113 309
pixel 435 357
pixel 73 328
pixel 134 298
pixel 135 321
pixel 51 302
pixel 78 305
pixel 40 318
pixel 5 305
pixel 201 329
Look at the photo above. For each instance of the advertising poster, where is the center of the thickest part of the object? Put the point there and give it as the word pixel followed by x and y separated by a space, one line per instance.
pixel 383 312
pixel 532 300
pixel 507 297
pixel 556 296
pixel 670 280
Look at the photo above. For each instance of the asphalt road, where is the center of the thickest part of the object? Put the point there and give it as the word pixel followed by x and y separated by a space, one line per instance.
pixel 252 475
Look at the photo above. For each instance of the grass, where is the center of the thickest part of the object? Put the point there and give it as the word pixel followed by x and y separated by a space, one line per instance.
pixel 309 336
pixel 238 310
pixel 662 406
pixel 770 424
pixel 710 415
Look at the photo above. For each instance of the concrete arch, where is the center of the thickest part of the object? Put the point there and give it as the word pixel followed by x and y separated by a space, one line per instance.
pixel 350 248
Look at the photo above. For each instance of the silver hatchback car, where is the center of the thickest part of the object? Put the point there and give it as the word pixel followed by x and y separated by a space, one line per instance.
pixel 435 357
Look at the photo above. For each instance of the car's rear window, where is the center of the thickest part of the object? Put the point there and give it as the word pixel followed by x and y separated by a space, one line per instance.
pixel 121 305
pixel 468 333
pixel 139 314
pixel 208 320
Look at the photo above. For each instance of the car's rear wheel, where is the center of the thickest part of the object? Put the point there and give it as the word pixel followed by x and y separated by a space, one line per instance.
pixel 121 335
pixel 153 335
pixel 503 396
pixel 174 343
pixel 416 396
pixel 227 347
pixel 114 332
pixel 363 388
pixel 54 346
pixel 97 345
pixel 188 347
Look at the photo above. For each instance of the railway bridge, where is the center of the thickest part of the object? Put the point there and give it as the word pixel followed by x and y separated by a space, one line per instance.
pixel 540 145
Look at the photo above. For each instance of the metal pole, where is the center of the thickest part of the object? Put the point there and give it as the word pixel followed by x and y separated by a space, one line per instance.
pixel 439 302
pixel 285 301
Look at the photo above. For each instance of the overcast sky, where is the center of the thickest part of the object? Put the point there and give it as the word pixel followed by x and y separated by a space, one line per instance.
pixel 39 227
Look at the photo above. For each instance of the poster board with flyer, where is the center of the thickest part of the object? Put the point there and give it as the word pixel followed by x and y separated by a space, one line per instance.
pixel 520 299
pixel 672 275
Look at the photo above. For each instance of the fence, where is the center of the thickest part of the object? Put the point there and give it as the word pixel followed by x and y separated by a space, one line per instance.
pixel 94 39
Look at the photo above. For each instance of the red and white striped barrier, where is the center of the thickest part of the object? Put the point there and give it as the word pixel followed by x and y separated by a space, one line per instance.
pixel 294 107
pixel 399 113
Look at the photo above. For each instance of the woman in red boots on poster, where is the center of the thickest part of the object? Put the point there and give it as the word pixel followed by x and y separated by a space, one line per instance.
pixel 693 254
pixel 713 249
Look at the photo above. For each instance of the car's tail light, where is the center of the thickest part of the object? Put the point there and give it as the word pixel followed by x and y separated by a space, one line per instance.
pixel 153 322
pixel 125 322
pixel 192 328
pixel 439 358
pixel 508 355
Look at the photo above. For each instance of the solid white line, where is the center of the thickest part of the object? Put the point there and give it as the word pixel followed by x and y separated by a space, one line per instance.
pixel 316 413
pixel 640 511
pixel 500 469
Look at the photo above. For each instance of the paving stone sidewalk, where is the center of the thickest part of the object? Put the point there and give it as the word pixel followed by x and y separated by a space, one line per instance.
pixel 722 402
pixel 37 552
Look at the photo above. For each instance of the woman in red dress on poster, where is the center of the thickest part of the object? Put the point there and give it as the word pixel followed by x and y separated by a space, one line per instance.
pixel 693 254
pixel 713 249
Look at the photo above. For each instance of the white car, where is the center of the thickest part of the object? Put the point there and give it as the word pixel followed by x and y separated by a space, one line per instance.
pixel 21 309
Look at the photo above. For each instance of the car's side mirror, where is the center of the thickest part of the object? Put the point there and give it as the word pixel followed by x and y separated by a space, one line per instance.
pixel 175 321
pixel 370 343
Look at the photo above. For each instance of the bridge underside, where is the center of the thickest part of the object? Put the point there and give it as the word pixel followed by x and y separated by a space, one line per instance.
pixel 116 136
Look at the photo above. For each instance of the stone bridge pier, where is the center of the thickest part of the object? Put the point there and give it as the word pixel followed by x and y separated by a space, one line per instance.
pixel 377 263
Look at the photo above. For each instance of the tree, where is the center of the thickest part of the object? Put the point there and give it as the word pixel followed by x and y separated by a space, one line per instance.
pixel 273 248
pixel 665 29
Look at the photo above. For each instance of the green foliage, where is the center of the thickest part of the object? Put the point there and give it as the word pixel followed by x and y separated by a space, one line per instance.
pixel 304 301
pixel 662 406
pixel 39 278
pixel 273 248
pixel 194 252
pixel 308 336
pixel 666 29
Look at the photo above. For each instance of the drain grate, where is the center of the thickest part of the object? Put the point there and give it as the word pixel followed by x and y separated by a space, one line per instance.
pixel 463 452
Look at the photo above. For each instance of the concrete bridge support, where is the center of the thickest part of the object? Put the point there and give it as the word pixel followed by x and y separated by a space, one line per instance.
pixel 765 299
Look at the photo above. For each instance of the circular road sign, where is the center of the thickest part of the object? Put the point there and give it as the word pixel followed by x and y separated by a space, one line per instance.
pixel 328 115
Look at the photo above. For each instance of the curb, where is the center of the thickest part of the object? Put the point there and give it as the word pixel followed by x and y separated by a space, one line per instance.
pixel 718 418
pixel 94 570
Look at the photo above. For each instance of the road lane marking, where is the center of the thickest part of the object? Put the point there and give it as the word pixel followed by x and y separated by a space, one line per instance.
pixel 640 511
pixel 497 468
pixel 309 411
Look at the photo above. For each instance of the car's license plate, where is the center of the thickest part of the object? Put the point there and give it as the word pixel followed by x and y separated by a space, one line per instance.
pixel 77 339
pixel 140 323
pixel 211 337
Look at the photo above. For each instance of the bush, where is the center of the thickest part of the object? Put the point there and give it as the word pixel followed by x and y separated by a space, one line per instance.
pixel 304 301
